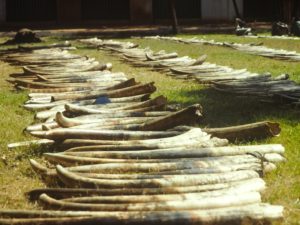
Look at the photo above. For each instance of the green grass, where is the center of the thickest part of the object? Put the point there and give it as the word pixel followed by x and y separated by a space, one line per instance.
pixel 16 176
pixel 219 110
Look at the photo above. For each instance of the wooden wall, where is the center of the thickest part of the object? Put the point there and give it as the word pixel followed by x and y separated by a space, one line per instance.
pixel 2 11
pixel 266 10
pixel 186 9
pixel 141 11
pixel 30 10
pixel 220 10
pixel 103 10
pixel 68 11
pixel 291 9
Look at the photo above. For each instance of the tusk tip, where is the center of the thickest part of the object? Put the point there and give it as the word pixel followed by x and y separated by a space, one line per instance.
pixel 38 133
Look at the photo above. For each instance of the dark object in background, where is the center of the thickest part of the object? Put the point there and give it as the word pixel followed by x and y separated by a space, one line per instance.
pixel 280 28
pixel 241 28
pixel 24 36
pixel 240 23
pixel 295 28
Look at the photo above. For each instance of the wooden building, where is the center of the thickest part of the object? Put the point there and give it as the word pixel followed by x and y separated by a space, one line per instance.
pixel 138 11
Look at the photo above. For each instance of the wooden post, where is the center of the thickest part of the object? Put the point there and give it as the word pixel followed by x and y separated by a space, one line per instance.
pixel 236 9
pixel 174 16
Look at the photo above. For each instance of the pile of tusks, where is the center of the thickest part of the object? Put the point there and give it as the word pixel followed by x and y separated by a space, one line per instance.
pixel 254 49
pixel 122 158
pixel 241 82
pixel 284 37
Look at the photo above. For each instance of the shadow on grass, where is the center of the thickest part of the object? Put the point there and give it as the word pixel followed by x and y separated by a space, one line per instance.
pixel 32 151
pixel 222 109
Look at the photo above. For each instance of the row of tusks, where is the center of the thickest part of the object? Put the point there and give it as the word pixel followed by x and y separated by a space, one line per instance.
pixel 175 66
pixel 230 215
pixel 255 49
pixel 124 159
pixel 222 78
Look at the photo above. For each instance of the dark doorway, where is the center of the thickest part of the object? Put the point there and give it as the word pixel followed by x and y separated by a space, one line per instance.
pixel 30 10
pixel 105 10
pixel 266 10
pixel 188 9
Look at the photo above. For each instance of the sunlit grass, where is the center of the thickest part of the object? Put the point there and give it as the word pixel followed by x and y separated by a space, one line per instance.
pixel 16 176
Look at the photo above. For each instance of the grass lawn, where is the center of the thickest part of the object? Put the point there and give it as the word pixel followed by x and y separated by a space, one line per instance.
pixel 220 110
